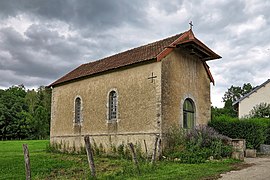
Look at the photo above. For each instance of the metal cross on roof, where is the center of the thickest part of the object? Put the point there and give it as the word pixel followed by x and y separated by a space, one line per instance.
pixel 152 77
pixel 190 25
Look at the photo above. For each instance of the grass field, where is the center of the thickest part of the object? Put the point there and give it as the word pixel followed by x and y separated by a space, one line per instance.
pixel 46 165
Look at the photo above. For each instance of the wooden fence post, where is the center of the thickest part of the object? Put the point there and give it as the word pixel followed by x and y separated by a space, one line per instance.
pixel 154 151
pixel 146 151
pixel 134 157
pixel 159 148
pixel 90 156
pixel 27 162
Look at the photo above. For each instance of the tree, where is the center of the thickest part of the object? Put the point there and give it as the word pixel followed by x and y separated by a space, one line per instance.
pixel 236 92
pixel 12 104
pixel 31 100
pixel 231 95
pixel 25 114
pixel 261 110
pixel 40 124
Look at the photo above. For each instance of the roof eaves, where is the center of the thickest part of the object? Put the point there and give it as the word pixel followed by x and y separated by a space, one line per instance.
pixel 56 83
pixel 251 92
pixel 187 37
pixel 209 73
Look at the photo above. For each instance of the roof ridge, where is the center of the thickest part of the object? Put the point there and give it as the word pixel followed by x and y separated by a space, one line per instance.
pixel 156 50
pixel 251 92
pixel 128 50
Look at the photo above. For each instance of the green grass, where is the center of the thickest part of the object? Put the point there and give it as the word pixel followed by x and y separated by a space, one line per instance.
pixel 63 166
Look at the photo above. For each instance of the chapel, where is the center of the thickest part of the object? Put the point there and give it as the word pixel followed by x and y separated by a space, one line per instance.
pixel 134 95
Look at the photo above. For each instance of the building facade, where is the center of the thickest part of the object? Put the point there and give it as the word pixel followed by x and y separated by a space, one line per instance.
pixel 258 95
pixel 135 95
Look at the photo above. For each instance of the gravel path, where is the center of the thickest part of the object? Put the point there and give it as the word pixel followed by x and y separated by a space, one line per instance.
pixel 259 171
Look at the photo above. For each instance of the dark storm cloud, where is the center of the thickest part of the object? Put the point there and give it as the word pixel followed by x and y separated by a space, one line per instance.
pixel 41 40
pixel 36 55
pixel 93 14
pixel 41 51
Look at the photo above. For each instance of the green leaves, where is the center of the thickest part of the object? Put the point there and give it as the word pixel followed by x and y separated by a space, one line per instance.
pixel 231 95
pixel 196 145
pixel 24 114
pixel 254 130
pixel 235 92
pixel 261 110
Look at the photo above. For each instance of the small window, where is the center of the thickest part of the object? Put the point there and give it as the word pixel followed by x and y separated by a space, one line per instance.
pixel 112 105
pixel 188 114
pixel 78 105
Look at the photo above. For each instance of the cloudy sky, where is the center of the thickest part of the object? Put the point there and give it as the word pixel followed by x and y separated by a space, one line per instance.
pixel 41 40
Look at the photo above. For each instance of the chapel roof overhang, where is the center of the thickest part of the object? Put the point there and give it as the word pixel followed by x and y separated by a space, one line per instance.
pixel 155 51
pixel 189 41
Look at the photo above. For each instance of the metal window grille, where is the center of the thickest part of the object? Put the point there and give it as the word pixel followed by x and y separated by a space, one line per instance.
pixel 78 110
pixel 112 105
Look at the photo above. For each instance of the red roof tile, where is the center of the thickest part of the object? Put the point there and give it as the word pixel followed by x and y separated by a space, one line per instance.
pixel 140 54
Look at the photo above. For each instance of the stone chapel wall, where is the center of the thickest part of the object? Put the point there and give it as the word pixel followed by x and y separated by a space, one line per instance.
pixel 138 108
pixel 184 76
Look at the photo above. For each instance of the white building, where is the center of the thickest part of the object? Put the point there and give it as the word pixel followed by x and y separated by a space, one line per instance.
pixel 260 94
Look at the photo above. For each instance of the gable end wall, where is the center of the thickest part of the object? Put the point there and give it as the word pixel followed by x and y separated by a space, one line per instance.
pixel 184 76
pixel 260 96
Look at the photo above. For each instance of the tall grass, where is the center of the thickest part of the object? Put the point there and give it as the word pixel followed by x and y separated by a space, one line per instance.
pixel 45 165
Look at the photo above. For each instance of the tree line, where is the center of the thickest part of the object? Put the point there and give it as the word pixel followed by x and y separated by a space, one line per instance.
pixel 25 114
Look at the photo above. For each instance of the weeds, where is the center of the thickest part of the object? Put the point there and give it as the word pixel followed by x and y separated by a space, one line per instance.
pixel 196 145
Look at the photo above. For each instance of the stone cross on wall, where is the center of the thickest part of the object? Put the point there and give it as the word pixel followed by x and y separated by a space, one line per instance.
pixel 152 77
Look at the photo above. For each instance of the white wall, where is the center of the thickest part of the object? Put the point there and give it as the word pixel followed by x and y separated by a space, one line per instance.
pixel 257 97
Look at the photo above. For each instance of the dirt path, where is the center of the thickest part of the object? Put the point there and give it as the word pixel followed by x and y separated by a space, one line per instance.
pixel 259 171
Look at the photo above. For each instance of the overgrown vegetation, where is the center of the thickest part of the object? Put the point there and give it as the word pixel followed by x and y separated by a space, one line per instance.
pixel 24 114
pixel 231 95
pixel 196 145
pixel 261 110
pixel 46 165
pixel 254 130
pixel 121 151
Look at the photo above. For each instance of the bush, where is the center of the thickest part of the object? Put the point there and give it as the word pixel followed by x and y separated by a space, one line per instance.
pixel 196 145
pixel 254 130
pixel 261 110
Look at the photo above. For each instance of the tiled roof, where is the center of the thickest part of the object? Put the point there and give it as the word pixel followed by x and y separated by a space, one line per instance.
pixel 251 92
pixel 132 56
pixel 156 50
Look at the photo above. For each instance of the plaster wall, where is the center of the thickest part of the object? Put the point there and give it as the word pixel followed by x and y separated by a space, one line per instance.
pixel 260 96
pixel 184 76
pixel 139 108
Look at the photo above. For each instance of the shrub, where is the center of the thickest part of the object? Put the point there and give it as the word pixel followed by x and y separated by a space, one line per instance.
pixel 261 110
pixel 254 130
pixel 196 145
pixel 175 140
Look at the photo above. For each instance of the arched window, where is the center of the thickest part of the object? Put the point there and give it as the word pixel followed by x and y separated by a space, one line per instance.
pixel 78 106
pixel 188 114
pixel 112 105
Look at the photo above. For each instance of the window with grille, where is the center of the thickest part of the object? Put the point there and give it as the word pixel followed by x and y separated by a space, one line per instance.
pixel 112 105
pixel 188 114
pixel 78 105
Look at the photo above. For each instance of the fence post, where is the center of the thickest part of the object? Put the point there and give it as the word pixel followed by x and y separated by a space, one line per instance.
pixel 90 156
pixel 27 162
pixel 159 148
pixel 135 160
pixel 146 151
pixel 154 150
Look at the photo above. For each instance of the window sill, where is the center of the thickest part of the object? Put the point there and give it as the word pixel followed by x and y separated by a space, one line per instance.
pixel 112 121
pixel 77 124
